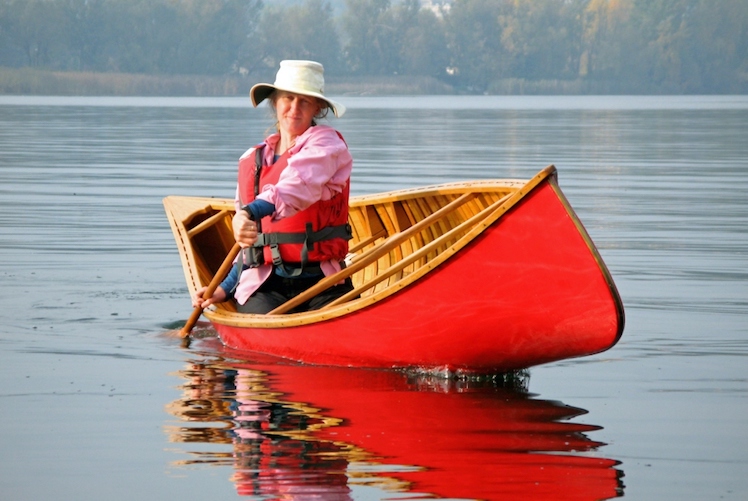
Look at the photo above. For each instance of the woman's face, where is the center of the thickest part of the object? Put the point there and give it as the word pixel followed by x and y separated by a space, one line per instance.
pixel 295 112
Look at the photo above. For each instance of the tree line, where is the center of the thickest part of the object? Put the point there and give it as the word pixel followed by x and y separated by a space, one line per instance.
pixel 480 46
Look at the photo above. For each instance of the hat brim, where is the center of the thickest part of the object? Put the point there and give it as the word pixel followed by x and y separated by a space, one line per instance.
pixel 262 91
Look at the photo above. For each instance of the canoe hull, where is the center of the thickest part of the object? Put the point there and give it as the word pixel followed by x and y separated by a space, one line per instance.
pixel 530 289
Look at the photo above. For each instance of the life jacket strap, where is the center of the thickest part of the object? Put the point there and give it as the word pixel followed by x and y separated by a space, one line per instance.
pixel 308 239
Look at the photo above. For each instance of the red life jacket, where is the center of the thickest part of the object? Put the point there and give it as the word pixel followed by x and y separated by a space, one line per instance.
pixel 318 233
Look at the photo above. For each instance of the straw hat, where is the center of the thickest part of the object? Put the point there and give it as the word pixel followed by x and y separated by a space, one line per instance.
pixel 300 77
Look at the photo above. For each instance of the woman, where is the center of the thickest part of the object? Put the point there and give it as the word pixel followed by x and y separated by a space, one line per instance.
pixel 291 200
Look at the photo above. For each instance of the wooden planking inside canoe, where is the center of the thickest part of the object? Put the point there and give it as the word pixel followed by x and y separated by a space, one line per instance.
pixel 204 228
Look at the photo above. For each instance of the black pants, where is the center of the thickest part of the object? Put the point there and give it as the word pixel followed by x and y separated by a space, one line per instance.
pixel 276 290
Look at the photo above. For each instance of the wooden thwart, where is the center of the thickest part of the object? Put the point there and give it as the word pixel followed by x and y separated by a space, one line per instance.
pixel 207 223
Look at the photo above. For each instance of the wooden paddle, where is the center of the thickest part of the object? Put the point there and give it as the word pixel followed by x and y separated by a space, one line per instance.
pixel 217 279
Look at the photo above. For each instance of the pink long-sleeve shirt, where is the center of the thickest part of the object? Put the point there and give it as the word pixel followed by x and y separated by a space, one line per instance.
pixel 319 166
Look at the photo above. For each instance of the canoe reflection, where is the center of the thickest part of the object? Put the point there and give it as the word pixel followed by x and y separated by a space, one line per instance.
pixel 314 432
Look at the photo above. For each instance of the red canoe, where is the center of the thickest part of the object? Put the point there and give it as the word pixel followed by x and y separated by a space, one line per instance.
pixel 483 276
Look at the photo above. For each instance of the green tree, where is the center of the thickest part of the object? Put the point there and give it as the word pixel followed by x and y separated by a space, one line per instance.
pixel 402 19
pixel 212 33
pixel 715 66
pixel 475 42
pixel 88 24
pixel 660 24
pixel 305 31
pixel 368 29
pixel 423 48
pixel 146 42
pixel 30 33
pixel 610 43
pixel 540 38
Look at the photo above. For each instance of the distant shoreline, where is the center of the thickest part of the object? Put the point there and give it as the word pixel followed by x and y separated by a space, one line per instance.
pixel 28 81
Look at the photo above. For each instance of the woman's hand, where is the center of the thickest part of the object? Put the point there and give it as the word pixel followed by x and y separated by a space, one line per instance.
pixel 218 296
pixel 245 230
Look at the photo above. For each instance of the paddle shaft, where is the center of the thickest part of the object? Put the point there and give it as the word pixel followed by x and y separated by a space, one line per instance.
pixel 212 286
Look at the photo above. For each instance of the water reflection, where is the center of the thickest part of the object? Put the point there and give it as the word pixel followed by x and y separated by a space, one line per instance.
pixel 296 432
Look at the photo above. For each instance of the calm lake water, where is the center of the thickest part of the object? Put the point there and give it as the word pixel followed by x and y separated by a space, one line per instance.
pixel 96 403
